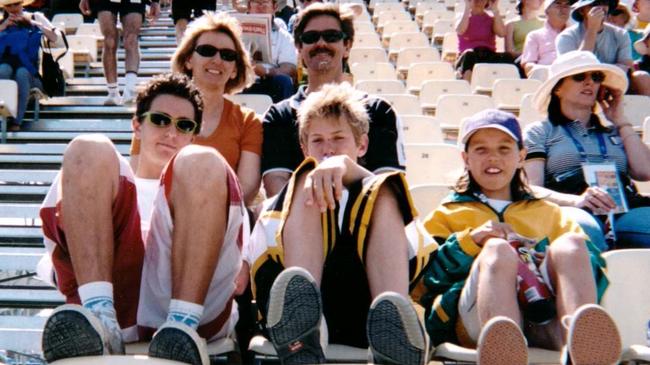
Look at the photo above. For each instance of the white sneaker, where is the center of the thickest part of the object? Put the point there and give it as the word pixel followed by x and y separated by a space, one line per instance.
pixel 129 94
pixel 113 99
pixel 179 342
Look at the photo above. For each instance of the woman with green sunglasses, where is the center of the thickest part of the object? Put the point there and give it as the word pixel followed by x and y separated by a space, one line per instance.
pixel 212 54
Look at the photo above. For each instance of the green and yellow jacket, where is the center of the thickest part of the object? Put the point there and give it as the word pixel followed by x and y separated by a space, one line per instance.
pixel 451 223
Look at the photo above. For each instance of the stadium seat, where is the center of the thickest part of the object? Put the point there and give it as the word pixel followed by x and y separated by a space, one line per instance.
pixel 420 73
pixel 431 90
pixel 85 45
pixel 436 24
pixel 260 103
pixel 507 93
pixel 527 112
pixel 399 26
pixel 90 29
pixel 452 353
pixel 373 71
pixel 386 16
pixel 264 351
pixel 421 129
pixel 8 104
pixel 428 197
pixel 423 7
pixel 366 40
pixel 365 55
pixel 411 55
pixel 70 21
pixel 484 75
pixel 380 87
pixel 403 103
pixel 452 109
pixel 449 47
pixel 636 109
pixel 403 40
pixel 433 164
pixel 363 27
pixel 627 300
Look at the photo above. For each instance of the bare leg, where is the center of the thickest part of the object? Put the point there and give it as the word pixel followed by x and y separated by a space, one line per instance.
pixel 497 281
pixel 467 75
pixel 641 83
pixel 181 25
pixel 199 204
pixel 303 235
pixel 387 254
pixel 90 175
pixel 132 23
pixel 109 54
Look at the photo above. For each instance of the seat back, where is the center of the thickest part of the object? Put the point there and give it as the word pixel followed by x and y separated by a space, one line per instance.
pixel 627 299
pixel 527 111
pixel 365 55
pixel 404 104
pixel 366 40
pixel 70 21
pixel 452 109
pixel 260 103
pixel 433 164
pixel 421 73
pixel 8 98
pixel 427 197
pixel 403 40
pixel 449 46
pixel 83 43
pixel 363 27
pixel 380 87
pixel 432 90
pixel 398 26
pixel 421 129
pixel 507 93
pixel 484 75
pixel 411 55
pixel 636 108
pixel 373 71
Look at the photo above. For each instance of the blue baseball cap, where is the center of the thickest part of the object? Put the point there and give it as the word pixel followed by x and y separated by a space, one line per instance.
pixel 491 118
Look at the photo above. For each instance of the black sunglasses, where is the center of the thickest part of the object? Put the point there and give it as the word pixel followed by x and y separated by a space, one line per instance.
pixel 163 120
pixel 329 36
pixel 596 76
pixel 207 50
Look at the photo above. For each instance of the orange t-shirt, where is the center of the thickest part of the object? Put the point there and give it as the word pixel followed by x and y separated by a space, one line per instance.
pixel 239 130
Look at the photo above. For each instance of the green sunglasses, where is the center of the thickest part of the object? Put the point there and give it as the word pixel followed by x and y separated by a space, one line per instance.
pixel 163 120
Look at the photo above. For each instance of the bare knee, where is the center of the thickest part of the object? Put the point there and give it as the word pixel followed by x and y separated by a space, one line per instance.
pixel 498 257
pixel 131 41
pixel 200 169
pixel 569 250
pixel 110 43
pixel 88 153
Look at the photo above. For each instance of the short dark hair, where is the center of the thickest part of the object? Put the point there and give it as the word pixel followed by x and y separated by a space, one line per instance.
pixel 344 17
pixel 174 84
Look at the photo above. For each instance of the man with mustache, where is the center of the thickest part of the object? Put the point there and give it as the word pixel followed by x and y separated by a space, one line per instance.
pixel 323 36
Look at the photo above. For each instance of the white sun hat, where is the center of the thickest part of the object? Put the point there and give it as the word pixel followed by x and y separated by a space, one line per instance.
pixel 572 63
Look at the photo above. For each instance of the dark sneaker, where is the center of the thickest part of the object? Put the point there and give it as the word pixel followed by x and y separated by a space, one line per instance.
pixel 395 333
pixel 294 316
pixel 73 331
pixel 593 338
pixel 179 342
pixel 502 342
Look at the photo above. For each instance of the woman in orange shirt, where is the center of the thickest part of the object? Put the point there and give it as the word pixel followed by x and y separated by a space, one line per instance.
pixel 212 54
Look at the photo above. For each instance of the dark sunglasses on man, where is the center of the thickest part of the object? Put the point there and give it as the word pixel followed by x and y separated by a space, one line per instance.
pixel 329 36
pixel 163 120
pixel 208 50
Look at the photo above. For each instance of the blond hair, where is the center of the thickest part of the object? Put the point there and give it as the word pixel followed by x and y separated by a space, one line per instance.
pixel 218 23
pixel 337 101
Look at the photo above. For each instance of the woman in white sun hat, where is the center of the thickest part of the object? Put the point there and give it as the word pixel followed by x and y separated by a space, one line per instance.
pixel 642 47
pixel 574 137
pixel 20 39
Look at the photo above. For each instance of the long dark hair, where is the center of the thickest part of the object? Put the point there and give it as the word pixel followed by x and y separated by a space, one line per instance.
pixel 556 116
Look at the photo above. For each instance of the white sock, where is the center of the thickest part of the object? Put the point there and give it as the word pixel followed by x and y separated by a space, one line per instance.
pixel 130 79
pixel 185 312
pixel 96 292
pixel 112 89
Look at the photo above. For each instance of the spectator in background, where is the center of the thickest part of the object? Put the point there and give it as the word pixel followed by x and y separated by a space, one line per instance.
pixel 539 48
pixel 609 43
pixel 285 11
pixel 294 17
pixel 324 35
pixel 477 31
pixel 642 10
pixel 277 77
pixel 183 11
pixel 131 16
pixel 518 28
pixel 642 46
pixel 621 18
pixel 21 63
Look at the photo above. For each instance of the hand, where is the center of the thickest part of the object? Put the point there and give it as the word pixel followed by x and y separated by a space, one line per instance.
pixel 84 6
pixel 324 185
pixel 154 11
pixel 595 18
pixel 489 230
pixel 611 101
pixel 597 200
pixel 259 69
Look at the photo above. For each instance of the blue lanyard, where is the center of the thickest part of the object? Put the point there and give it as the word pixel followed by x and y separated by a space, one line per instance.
pixel 581 149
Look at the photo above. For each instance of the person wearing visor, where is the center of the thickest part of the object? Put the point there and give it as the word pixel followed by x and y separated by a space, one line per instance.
pixel 324 35
pixel 609 43
pixel 575 138
pixel 147 251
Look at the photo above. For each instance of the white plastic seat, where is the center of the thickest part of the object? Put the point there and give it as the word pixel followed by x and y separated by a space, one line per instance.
pixel 373 71
pixel 403 40
pixel 423 7
pixel 403 103
pixel 433 164
pixel 89 29
pixel 367 40
pixel 85 45
pixel 507 93
pixel 260 103
pixel 373 3
pixel 363 27
pixel 627 299
pixel 386 16
pixel 527 112
pixel 366 55
pixel 636 108
pixel 70 21
pixel 421 129
pixel 8 104
pixel 484 75
pixel 411 55
pixel 420 73
pixel 450 46
pixel 264 350
pixel 380 87
pixel 435 24
pixel 452 109
pixel 427 197
pixel 396 27
pixel 431 90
